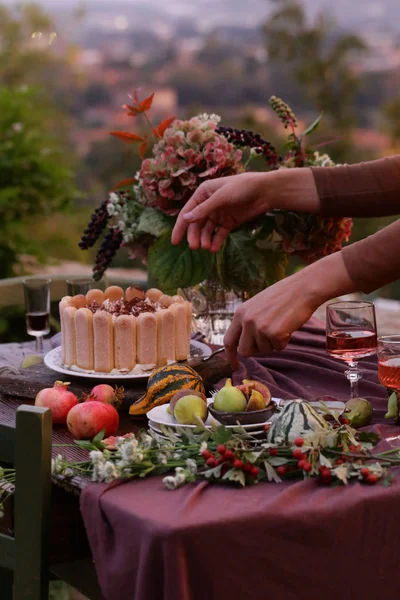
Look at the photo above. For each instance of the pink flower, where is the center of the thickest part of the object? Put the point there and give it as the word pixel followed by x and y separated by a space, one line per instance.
pixel 189 152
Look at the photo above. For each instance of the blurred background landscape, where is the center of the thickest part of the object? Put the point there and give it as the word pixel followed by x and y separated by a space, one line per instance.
pixel 67 68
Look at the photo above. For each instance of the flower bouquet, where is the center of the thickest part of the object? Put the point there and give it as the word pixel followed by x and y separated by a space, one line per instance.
pixel 141 211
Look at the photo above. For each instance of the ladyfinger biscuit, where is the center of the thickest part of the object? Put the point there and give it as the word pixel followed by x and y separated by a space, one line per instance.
pixel 165 336
pixel 103 331
pixel 182 341
pixel 84 339
pixel 114 293
pixel 134 292
pixel 125 342
pixel 63 304
pixel 147 339
pixel 165 300
pixel 189 316
pixel 79 301
pixel 95 296
pixel 70 335
pixel 153 294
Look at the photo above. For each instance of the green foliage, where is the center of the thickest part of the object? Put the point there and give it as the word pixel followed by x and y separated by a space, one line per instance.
pixel 35 178
pixel 154 222
pixel 320 59
pixel 178 266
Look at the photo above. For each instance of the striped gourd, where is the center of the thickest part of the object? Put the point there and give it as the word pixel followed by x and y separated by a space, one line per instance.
pixel 163 383
pixel 297 418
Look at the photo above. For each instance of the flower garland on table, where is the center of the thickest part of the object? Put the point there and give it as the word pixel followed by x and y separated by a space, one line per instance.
pixel 333 455
pixel 141 211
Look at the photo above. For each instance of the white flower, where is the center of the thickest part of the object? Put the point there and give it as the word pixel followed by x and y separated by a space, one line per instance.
pixel 121 225
pixel 113 198
pixel 128 237
pixel 146 440
pixel 162 459
pixel 98 472
pixel 110 471
pixel 203 446
pixel 110 209
pixel 170 482
pixel 180 479
pixel 191 465
pixel 57 465
pixel 129 450
pixel 17 127
pixel 179 470
pixel 96 457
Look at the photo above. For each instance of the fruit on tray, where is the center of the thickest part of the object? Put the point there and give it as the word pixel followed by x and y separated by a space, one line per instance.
pixel 58 399
pixel 189 409
pixel 393 411
pixel 87 419
pixel 297 417
pixel 230 398
pixel 105 393
pixel 163 383
pixel 251 384
pixel 358 411
pixel 180 394
pixel 256 401
pixel 30 360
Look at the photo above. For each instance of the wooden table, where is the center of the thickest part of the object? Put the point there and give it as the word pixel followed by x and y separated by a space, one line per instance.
pixel 20 386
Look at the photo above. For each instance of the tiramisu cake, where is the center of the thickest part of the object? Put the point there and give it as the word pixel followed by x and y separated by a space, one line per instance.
pixel 109 330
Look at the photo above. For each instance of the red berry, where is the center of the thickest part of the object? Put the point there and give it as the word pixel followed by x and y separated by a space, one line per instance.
pixel 273 451
pixel 324 470
pixel 238 464
pixel 298 454
pixel 353 448
pixel 307 466
pixel 372 478
pixel 247 467
pixel 254 471
pixel 228 455
pixel 299 442
pixel 210 462
pixel 221 449
pixel 225 468
pixel 364 472
pixel 326 478
pixel 344 420
pixel 206 454
pixel 301 463
pixel 267 426
pixel 218 461
pixel 281 470
pixel 339 461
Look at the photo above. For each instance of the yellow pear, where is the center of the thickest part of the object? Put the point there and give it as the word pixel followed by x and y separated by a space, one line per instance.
pixel 256 401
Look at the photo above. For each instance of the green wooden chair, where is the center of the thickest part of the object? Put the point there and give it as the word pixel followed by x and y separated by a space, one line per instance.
pixel 23 558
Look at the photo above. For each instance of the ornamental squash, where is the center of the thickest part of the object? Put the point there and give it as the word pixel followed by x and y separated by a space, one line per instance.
pixel 163 383
pixel 296 419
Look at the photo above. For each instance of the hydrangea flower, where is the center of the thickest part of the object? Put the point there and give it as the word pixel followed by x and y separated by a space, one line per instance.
pixel 188 153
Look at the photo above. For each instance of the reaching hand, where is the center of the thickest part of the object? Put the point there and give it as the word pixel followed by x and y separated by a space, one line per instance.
pixel 218 206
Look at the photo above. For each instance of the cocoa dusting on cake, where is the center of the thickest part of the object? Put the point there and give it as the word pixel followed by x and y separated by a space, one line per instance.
pixel 134 307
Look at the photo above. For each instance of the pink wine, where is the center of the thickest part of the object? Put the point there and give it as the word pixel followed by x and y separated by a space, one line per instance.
pixel 389 372
pixel 352 344
pixel 38 323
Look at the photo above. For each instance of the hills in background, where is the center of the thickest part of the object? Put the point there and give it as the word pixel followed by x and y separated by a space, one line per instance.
pixel 206 14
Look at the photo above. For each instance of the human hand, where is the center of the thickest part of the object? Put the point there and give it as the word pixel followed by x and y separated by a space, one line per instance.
pixel 220 205
pixel 266 322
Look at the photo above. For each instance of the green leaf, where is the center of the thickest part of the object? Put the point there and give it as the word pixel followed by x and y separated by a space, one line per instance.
pixel 99 437
pixel 241 265
pixel 313 126
pixel 178 266
pixel 85 444
pixel 369 436
pixel 155 222
pixel 215 472
pixel 235 475
pixel 387 481
pixel 277 461
pixel 222 435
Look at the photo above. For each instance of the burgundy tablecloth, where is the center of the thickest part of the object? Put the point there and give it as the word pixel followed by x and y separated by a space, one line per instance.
pixel 279 542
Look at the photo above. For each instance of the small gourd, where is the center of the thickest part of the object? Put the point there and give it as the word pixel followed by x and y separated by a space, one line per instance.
pixel 163 383
pixel 297 418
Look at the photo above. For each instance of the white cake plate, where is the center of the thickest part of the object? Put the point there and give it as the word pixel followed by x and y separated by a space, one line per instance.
pixel 53 360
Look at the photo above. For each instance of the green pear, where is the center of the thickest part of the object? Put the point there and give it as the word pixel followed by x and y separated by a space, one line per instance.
pixel 359 412
pixel 30 360
pixel 230 399
pixel 189 409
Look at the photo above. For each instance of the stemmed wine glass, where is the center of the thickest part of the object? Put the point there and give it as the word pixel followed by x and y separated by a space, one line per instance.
pixel 389 362
pixel 37 306
pixel 351 335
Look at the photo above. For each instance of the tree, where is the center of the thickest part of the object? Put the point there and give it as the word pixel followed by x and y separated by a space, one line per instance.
pixel 35 178
pixel 319 56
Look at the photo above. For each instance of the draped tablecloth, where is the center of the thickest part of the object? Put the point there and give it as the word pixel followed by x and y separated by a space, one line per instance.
pixel 284 541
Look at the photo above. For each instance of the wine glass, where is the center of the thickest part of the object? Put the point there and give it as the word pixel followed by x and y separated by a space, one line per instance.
pixel 351 335
pixel 78 286
pixel 37 306
pixel 389 362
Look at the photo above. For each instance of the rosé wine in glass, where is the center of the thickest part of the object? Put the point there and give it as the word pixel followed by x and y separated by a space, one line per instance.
pixel 389 362
pixel 350 336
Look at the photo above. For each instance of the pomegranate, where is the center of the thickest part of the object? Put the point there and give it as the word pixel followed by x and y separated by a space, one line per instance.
pixel 105 393
pixel 58 399
pixel 87 419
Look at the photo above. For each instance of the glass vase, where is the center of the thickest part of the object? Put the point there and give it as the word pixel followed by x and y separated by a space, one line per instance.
pixel 213 309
